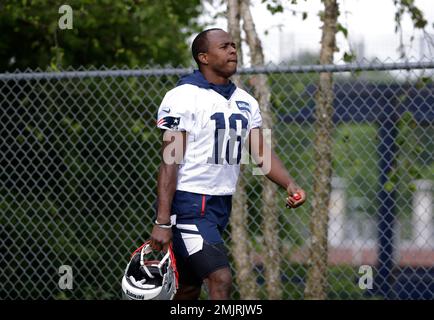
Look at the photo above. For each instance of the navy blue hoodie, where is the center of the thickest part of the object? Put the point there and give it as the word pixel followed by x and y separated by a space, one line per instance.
pixel 197 79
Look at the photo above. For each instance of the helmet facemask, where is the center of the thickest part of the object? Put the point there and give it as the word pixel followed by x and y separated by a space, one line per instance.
pixel 146 279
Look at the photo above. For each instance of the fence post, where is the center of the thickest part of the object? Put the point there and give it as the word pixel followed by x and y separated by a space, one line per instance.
pixel 387 149
pixel 422 214
pixel 337 212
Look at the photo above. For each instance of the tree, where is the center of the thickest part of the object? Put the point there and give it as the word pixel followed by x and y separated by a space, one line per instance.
pixel 262 92
pixel 417 17
pixel 241 9
pixel 104 32
pixel 317 272
pixel 241 246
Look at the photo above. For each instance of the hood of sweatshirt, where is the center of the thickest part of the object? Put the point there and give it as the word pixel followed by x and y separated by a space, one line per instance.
pixel 197 79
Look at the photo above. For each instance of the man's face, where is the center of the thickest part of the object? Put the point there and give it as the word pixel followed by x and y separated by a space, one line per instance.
pixel 222 53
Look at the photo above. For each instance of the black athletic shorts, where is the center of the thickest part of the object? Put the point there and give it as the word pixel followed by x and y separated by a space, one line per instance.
pixel 192 270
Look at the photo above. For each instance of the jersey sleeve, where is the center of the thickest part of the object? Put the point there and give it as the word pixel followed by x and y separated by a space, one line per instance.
pixel 176 111
pixel 256 115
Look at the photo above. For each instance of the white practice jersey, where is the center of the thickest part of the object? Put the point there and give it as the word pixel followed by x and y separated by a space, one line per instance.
pixel 217 128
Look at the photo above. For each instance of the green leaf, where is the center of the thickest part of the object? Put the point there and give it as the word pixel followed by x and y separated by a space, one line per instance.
pixel 349 57
pixel 275 8
pixel 389 186
pixel 341 28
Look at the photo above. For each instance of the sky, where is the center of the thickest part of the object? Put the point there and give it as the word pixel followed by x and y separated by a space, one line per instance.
pixel 370 25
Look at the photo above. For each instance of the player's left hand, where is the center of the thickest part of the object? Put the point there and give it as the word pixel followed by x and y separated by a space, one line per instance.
pixel 296 196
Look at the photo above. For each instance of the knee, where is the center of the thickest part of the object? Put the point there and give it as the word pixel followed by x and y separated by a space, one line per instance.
pixel 221 280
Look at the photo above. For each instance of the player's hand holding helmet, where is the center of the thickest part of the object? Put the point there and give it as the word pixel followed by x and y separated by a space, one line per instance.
pixel 148 278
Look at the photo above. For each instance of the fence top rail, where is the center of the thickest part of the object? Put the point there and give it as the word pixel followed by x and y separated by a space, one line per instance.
pixel 351 67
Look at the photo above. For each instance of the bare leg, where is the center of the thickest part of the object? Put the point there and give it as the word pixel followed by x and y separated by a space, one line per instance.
pixel 220 284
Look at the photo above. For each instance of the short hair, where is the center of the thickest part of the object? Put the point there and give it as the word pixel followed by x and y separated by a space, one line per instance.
pixel 200 44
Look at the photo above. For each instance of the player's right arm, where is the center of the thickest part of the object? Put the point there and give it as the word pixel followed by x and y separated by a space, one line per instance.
pixel 172 153
pixel 175 118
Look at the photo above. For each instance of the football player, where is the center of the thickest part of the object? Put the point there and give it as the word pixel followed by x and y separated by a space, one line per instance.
pixel 206 120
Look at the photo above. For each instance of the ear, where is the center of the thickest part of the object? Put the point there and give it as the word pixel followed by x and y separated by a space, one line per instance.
pixel 203 58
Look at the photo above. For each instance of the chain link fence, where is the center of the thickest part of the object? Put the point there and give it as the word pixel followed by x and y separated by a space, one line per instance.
pixel 80 155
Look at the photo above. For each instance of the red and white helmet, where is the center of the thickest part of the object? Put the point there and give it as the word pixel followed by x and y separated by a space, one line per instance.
pixel 146 279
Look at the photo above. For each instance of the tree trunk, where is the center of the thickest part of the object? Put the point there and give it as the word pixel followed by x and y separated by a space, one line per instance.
pixel 317 272
pixel 271 252
pixel 241 246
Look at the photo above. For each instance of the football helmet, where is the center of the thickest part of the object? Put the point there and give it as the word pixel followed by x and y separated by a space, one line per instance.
pixel 146 279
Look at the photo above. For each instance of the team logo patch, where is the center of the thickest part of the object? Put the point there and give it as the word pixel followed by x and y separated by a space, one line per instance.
pixel 243 106
pixel 169 122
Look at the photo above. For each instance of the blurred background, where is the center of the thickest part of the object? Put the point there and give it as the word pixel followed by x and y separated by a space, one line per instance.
pixel 345 87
